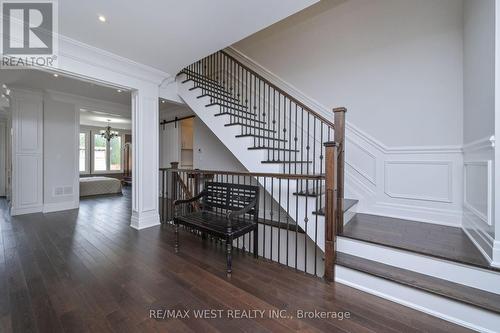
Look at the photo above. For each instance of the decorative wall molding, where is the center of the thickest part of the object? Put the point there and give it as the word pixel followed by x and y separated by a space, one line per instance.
pixel 487 183
pixel 481 144
pixel 432 180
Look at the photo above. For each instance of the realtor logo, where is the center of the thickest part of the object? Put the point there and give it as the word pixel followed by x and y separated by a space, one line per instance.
pixel 28 34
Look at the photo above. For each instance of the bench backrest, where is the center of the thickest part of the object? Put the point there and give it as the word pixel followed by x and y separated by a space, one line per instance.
pixel 230 197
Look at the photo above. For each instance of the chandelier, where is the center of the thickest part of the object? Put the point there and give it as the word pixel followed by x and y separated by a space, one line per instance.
pixel 108 134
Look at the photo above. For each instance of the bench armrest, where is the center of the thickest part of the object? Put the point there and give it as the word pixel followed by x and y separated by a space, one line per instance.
pixel 245 210
pixel 195 198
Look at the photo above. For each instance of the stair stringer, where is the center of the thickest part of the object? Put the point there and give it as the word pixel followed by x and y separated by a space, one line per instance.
pixel 251 160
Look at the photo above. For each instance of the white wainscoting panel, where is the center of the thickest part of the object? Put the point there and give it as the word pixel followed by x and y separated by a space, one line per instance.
pixel 27 168
pixel 419 180
pixel 478 195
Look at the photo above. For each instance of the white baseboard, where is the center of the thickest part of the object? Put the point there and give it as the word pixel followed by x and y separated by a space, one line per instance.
pixel 444 217
pixel 144 220
pixel 456 312
pixel 60 206
pixel 26 210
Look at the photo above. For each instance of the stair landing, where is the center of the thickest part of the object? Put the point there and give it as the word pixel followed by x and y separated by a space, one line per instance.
pixel 444 242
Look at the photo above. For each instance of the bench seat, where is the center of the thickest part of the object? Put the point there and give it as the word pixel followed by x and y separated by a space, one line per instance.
pixel 216 224
pixel 223 210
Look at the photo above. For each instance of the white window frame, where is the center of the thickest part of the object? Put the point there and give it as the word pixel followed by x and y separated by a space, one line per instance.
pixel 108 155
pixel 87 151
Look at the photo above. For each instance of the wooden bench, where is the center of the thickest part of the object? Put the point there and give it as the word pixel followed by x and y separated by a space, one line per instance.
pixel 227 211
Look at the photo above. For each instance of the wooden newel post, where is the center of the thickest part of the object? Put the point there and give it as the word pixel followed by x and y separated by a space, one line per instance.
pixel 331 208
pixel 174 166
pixel 339 138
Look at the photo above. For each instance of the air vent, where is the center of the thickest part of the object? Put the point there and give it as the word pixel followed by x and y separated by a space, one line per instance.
pixel 63 191
pixel 68 190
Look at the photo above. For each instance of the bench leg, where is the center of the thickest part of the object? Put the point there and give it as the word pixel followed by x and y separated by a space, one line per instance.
pixel 256 242
pixel 176 232
pixel 229 256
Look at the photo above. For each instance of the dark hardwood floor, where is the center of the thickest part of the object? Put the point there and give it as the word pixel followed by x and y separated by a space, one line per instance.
pixel 86 270
pixel 443 242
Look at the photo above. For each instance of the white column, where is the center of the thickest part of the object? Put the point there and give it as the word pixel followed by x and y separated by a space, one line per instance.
pixel 145 150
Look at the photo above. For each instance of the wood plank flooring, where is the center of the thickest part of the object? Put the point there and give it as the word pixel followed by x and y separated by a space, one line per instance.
pixel 440 241
pixel 86 270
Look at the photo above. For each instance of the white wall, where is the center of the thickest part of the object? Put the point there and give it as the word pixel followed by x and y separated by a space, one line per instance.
pixel 395 64
pixel 209 153
pixel 479 73
pixel 479 123
pixel 61 186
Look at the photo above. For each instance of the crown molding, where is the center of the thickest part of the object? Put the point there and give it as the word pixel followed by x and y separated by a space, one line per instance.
pixel 85 101
pixel 90 55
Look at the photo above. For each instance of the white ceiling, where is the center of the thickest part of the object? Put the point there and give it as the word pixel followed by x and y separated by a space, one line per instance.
pixel 169 34
pixel 39 80
pixel 98 103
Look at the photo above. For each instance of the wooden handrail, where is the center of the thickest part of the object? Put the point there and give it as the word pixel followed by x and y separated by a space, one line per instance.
pixel 281 91
pixel 252 174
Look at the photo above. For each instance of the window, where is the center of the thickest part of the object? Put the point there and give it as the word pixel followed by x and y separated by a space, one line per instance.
pixel 83 152
pixel 115 154
pixel 100 153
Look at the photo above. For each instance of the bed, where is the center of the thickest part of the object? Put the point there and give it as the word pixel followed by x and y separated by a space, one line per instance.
pixel 99 185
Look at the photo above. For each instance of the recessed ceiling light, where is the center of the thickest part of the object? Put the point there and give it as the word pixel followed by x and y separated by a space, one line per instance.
pixel 163 101
pixel 56 75
pixel 119 90
pixel 102 18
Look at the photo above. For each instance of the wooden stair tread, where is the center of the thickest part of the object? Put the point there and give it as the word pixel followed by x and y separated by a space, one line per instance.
pixel 251 126
pixel 231 105
pixel 348 204
pixel 211 90
pixel 239 116
pixel 458 292
pixel 198 76
pixel 203 82
pixel 214 95
pixel 286 162
pixel 439 241
pixel 260 136
pixel 274 148
pixel 311 192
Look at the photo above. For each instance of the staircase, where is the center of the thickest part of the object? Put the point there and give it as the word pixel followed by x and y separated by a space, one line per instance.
pixel 269 131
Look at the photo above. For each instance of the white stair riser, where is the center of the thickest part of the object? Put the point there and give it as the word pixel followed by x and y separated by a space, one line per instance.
pixel 447 270
pixel 441 307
